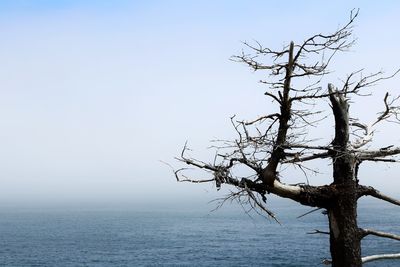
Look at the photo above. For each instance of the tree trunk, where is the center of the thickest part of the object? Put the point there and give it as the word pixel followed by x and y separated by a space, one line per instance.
pixel 345 242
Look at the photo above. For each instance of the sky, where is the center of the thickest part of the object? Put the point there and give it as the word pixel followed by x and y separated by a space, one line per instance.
pixel 95 94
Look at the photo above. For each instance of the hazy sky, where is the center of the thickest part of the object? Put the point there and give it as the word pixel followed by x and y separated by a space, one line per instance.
pixel 94 93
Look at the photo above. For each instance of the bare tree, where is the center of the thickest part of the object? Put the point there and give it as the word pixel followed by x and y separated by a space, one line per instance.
pixel 266 144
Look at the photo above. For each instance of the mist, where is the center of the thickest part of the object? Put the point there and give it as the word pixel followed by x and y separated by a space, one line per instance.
pixel 94 97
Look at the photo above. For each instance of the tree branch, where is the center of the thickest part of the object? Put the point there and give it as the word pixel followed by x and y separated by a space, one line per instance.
pixel 307 158
pixel 380 257
pixel 383 152
pixel 365 232
pixel 390 110
pixel 262 118
pixel 370 191
pixel 269 173
pixel 316 231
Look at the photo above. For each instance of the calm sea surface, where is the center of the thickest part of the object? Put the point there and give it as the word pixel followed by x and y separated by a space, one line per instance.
pixel 123 237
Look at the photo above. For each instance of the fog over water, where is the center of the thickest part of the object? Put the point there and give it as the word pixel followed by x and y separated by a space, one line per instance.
pixel 94 94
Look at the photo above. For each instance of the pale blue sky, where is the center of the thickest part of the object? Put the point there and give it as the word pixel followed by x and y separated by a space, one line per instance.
pixel 94 93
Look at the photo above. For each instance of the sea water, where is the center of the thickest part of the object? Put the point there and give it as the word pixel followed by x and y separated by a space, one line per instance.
pixel 189 237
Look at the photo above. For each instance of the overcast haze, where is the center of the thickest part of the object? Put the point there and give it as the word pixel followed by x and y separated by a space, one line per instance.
pixel 93 94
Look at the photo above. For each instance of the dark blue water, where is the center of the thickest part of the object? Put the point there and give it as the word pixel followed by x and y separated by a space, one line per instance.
pixel 125 237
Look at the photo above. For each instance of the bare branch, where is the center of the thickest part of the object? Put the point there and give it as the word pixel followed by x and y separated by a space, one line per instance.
pixel 308 158
pixel 316 231
pixel 307 147
pixel 381 153
pixel 367 81
pixel 262 118
pixel 335 41
pixel 380 257
pixel 260 205
pixel 365 232
pixel 308 212
pixel 274 97
pixel 390 110
pixel 370 191
pixel 381 160
pixel 370 258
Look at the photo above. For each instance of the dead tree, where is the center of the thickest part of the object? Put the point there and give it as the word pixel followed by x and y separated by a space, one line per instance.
pixel 270 142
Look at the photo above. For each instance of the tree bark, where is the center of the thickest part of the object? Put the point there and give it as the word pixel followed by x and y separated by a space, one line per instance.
pixel 345 239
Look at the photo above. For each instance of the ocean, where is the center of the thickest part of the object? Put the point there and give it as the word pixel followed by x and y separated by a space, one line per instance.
pixel 186 237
